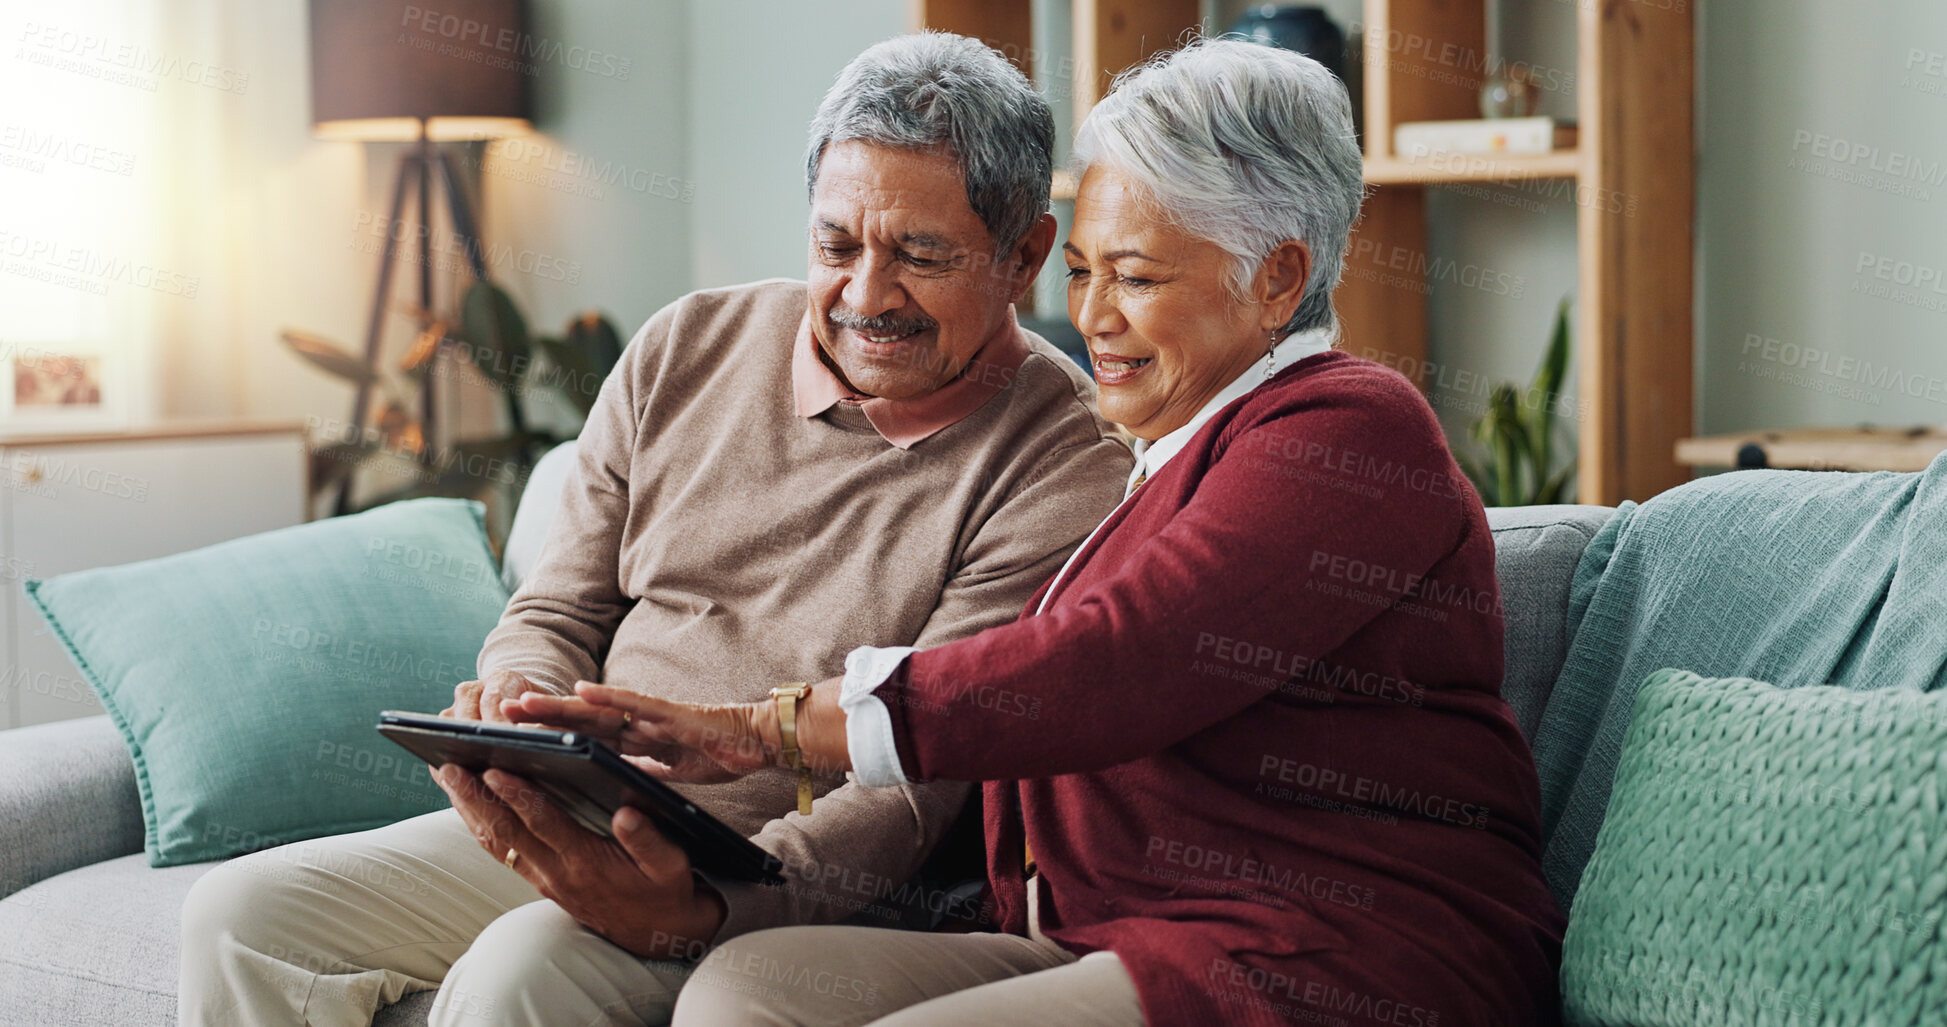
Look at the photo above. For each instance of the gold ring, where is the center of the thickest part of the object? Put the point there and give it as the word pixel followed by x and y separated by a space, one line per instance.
pixel 511 858
pixel 628 720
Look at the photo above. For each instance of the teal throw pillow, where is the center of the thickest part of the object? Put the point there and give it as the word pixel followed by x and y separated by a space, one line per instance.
pixel 1770 856
pixel 247 677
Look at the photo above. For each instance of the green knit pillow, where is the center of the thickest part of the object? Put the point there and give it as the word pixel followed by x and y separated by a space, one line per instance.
pixel 1770 856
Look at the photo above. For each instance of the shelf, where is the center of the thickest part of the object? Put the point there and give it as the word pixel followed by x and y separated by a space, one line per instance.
pixel 1630 183
pixel 1824 449
pixel 1453 168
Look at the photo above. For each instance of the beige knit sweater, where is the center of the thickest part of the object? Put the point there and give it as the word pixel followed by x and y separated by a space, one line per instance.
pixel 711 544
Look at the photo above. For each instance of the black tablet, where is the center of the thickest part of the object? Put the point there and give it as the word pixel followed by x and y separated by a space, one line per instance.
pixel 589 779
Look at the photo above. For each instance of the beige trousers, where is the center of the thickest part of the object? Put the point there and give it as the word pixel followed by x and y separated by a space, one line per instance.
pixel 843 976
pixel 326 931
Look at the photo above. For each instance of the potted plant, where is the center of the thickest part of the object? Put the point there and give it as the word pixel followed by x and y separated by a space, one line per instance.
pixel 1517 433
pixel 490 338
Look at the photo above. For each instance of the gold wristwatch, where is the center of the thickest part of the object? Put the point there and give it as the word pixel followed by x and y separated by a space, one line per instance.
pixel 787 698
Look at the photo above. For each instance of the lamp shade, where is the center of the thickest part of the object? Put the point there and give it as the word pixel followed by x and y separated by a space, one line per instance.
pixel 459 69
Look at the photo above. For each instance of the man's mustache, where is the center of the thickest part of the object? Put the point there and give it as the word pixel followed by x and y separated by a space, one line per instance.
pixel 880 324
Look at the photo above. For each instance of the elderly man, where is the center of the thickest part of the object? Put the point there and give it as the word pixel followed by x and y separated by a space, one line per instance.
pixel 774 475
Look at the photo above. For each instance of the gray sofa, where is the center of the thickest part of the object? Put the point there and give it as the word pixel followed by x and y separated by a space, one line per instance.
pixel 90 928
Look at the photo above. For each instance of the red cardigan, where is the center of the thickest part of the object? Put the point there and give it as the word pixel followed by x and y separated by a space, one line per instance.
pixel 1257 736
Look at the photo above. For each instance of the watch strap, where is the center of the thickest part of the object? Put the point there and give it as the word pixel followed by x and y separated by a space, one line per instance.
pixel 787 698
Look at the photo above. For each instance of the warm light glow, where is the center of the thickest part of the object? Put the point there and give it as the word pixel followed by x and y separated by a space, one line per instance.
pixel 439 130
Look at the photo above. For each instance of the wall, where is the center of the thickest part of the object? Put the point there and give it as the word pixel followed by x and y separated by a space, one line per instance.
pixel 758 70
pixel 606 182
pixel 594 209
pixel 1822 199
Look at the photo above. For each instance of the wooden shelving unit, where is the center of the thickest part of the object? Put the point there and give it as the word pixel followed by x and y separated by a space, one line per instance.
pixel 1633 184
pixel 1459 170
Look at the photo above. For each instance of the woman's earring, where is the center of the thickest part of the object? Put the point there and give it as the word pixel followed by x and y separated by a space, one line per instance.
pixel 1271 358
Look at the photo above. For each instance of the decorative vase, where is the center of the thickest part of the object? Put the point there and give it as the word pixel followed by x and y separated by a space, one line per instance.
pixel 1510 92
pixel 1304 29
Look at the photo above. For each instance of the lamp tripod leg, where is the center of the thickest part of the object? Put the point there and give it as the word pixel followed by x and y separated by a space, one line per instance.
pixel 428 409
pixel 409 165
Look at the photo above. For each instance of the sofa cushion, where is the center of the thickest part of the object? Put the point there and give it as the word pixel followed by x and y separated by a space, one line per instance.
pixel 99 947
pixel 1535 552
pixel 96 945
pixel 535 515
pixel 67 799
pixel 247 676
pixel 1770 855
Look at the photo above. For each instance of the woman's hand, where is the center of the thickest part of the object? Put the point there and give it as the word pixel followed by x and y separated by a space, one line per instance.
pixel 671 740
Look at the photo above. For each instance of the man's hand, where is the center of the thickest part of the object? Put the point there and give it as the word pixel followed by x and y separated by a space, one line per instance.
pixel 636 889
pixel 480 700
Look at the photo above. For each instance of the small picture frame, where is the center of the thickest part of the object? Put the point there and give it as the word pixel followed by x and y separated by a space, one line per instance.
pixel 60 388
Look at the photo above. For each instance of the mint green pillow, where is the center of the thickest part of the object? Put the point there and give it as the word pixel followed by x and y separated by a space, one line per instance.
pixel 247 677
pixel 1770 855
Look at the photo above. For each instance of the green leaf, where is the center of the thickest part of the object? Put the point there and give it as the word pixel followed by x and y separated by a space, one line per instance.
pixel 496 461
pixel 1547 390
pixel 1507 490
pixel 419 357
pixel 1556 491
pixel 496 332
pixel 595 336
pixel 329 357
pixel 570 373
pixel 1503 435
pixel 1516 431
pixel 581 361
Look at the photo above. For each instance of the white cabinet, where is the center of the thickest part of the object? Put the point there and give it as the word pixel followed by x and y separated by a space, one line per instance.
pixel 72 502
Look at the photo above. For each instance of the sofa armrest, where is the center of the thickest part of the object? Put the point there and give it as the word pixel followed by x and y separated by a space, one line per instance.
pixel 67 799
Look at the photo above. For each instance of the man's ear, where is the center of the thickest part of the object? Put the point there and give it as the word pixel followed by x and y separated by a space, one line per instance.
pixel 1280 284
pixel 1024 262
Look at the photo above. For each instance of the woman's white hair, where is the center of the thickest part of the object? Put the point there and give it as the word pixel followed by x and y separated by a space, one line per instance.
pixel 1242 144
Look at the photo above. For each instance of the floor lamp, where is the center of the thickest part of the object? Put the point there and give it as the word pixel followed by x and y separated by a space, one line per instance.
pixel 395 72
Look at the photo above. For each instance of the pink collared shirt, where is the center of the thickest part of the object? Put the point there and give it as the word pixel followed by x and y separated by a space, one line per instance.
pixel 906 422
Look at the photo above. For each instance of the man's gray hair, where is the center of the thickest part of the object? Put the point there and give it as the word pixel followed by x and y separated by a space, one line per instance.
pixel 1242 144
pixel 936 89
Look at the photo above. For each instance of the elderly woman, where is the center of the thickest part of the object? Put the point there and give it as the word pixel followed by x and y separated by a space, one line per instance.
pixel 1246 757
